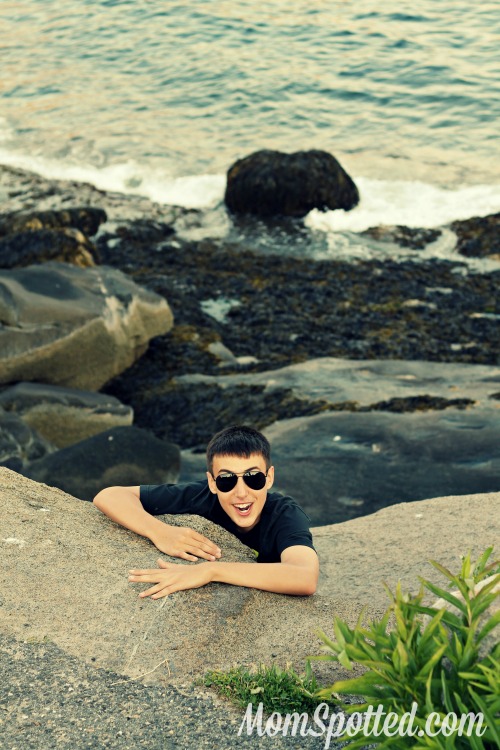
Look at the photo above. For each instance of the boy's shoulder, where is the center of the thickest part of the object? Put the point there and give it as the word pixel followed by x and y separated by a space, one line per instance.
pixel 283 510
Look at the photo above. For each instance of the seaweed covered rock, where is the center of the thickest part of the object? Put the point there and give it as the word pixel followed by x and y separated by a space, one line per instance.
pixel 87 220
pixel 66 245
pixel 478 237
pixel 272 183
pixel 412 237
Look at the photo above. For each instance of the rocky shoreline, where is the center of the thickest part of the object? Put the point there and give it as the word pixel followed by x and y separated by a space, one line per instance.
pixel 244 311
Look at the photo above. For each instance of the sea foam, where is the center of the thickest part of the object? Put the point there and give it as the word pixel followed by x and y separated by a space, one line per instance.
pixel 413 204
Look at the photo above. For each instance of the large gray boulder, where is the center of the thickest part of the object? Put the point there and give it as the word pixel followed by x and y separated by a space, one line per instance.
pixel 64 416
pixel 74 327
pixel 64 580
pixel 122 456
pixel 78 645
pixel 272 183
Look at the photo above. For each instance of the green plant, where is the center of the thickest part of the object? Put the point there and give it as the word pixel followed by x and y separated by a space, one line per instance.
pixel 277 689
pixel 426 655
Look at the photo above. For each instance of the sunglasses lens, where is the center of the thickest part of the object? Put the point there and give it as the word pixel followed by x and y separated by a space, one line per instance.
pixel 255 481
pixel 227 482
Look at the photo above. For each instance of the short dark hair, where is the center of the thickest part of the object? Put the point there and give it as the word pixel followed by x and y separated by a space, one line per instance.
pixel 238 440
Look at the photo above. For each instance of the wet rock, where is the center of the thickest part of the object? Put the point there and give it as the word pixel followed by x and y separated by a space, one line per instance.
pixel 39 246
pixel 344 465
pixel 125 456
pixel 64 416
pixel 19 443
pixel 270 183
pixel 478 237
pixel 87 220
pixel 144 231
pixel 414 238
pixel 24 191
pixel 74 327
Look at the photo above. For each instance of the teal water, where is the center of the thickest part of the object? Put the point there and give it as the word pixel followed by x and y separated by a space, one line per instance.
pixel 140 90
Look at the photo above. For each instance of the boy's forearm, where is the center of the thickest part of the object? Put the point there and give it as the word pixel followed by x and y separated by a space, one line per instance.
pixel 280 578
pixel 123 507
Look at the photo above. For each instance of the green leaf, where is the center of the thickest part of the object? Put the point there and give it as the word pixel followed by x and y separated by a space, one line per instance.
pixel 490 719
pixel 480 565
pixel 344 660
pixel 435 658
pixel 443 570
pixel 447 596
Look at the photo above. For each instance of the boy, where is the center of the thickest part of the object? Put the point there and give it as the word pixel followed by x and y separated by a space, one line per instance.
pixel 235 496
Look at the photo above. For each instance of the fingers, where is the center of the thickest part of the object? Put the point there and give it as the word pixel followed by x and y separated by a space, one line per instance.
pixel 160 589
pixel 199 545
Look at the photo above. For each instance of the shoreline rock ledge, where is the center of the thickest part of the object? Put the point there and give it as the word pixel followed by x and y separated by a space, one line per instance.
pixel 76 327
pixel 64 583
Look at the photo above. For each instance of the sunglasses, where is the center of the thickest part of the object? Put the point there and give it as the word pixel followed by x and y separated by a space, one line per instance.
pixel 256 480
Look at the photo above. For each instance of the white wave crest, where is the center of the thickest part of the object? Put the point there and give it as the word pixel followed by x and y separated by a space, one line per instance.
pixel 411 204
pixel 192 191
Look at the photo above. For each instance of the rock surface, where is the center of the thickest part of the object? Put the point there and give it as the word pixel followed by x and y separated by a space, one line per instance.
pixel 63 245
pixel 271 183
pixel 125 456
pixel 64 580
pixel 414 238
pixel 86 219
pixel 479 237
pixel 64 416
pixel 19 443
pixel 74 327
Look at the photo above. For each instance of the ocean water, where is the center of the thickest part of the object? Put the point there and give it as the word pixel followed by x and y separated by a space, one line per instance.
pixel 159 98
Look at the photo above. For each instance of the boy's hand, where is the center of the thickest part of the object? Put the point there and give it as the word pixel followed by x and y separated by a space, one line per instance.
pixel 186 543
pixel 171 577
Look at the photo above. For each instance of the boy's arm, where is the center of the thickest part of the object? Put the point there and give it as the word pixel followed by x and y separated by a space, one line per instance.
pixel 123 505
pixel 297 573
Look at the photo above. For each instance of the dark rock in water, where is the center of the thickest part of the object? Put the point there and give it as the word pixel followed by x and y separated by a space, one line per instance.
pixel 478 237
pixel 270 183
pixel 125 456
pixel 19 443
pixel 38 246
pixel 416 239
pixel 74 327
pixel 87 220
pixel 64 416
pixel 145 231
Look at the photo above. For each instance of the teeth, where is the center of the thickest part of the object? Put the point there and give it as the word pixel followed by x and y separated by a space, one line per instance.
pixel 243 507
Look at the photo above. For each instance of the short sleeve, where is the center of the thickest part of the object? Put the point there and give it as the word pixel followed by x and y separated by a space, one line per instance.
pixel 286 525
pixel 293 530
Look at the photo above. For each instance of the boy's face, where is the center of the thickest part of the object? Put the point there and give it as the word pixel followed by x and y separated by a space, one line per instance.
pixel 242 504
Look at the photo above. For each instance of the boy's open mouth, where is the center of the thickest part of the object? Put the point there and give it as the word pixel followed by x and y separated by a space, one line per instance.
pixel 243 509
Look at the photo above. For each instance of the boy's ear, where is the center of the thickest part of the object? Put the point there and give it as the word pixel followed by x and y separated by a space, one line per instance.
pixel 270 477
pixel 211 483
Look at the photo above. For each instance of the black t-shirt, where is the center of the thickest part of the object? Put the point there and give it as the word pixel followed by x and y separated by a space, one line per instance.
pixel 282 524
